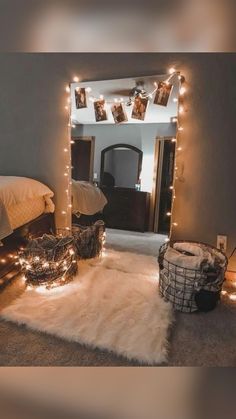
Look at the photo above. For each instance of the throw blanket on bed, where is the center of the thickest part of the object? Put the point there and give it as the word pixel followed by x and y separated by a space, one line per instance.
pixel 87 198
pixel 5 227
pixel 15 190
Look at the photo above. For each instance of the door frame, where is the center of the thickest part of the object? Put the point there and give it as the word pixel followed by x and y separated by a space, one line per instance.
pixel 156 188
pixel 92 141
pixel 159 146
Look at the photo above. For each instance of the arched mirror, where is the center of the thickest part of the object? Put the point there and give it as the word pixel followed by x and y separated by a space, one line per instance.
pixel 121 166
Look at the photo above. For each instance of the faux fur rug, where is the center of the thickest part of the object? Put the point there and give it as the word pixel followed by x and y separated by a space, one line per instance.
pixel 113 303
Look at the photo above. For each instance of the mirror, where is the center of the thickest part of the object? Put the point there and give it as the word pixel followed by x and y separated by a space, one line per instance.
pixel 121 166
pixel 118 161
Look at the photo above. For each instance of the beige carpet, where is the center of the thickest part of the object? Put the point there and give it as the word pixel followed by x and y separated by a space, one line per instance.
pixel 112 304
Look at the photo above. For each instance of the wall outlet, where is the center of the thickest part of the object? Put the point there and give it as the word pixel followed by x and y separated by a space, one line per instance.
pixel 222 243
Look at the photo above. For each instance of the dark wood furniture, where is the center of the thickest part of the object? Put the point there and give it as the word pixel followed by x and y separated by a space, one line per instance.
pixel 18 239
pixel 127 209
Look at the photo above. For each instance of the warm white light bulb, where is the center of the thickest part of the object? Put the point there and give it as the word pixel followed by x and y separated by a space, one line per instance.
pixel 173 140
pixel 172 70
pixel 68 89
pixel 182 91
pixel 168 214
pixel 76 79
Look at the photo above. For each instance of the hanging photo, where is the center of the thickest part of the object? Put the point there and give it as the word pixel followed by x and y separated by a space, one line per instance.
pixel 118 113
pixel 80 98
pixel 100 112
pixel 139 109
pixel 163 93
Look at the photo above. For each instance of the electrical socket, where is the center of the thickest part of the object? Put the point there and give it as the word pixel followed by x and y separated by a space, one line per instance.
pixel 222 243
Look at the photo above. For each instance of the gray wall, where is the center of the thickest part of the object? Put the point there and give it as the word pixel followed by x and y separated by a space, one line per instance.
pixel 32 127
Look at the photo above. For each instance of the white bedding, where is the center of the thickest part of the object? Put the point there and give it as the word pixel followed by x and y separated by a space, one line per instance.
pixel 22 200
pixel 86 198
pixel 24 212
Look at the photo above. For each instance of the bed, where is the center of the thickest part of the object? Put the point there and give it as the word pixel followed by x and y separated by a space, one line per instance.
pixel 87 199
pixel 88 202
pixel 21 201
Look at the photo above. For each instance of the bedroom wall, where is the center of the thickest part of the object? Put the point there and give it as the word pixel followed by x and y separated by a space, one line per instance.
pixel 33 127
pixel 140 136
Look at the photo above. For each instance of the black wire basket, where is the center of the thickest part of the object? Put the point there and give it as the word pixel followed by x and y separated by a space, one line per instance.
pixel 187 289
pixel 89 240
pixel 49 261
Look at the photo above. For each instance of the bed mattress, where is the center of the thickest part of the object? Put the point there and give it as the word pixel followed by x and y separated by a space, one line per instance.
pixel 24 212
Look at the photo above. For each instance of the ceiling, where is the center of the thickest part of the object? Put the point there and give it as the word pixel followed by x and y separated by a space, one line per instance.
pixel 117 89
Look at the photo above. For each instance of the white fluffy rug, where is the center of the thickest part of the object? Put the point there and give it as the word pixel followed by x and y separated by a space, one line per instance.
pixel 112 304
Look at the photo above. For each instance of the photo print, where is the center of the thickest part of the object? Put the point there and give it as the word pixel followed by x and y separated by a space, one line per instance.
pixel 80 98
pixel 140 107
pixel 119 113
pixel 163 93
pixel 100 112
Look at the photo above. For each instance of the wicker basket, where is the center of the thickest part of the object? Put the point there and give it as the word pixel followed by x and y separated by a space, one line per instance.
pixel 183 286
pixel 49 261
pixel 89 240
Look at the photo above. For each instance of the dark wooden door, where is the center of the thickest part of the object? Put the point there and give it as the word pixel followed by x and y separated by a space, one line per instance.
pixel 167 175
pixel 81 159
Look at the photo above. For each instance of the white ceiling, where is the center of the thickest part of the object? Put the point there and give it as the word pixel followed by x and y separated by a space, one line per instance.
pixel 110 90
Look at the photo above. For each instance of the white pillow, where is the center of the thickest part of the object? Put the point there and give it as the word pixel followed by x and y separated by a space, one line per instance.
pixel 15 190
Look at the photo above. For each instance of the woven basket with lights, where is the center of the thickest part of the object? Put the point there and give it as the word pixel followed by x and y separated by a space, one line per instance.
pixel 49 261
pixel 89 240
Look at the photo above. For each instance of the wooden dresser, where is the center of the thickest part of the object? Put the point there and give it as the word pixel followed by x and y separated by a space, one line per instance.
pixel 127 209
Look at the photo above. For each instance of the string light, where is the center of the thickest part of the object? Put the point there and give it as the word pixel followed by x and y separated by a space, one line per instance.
pixel 180 128
pixel 172 70
pixel 182 90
